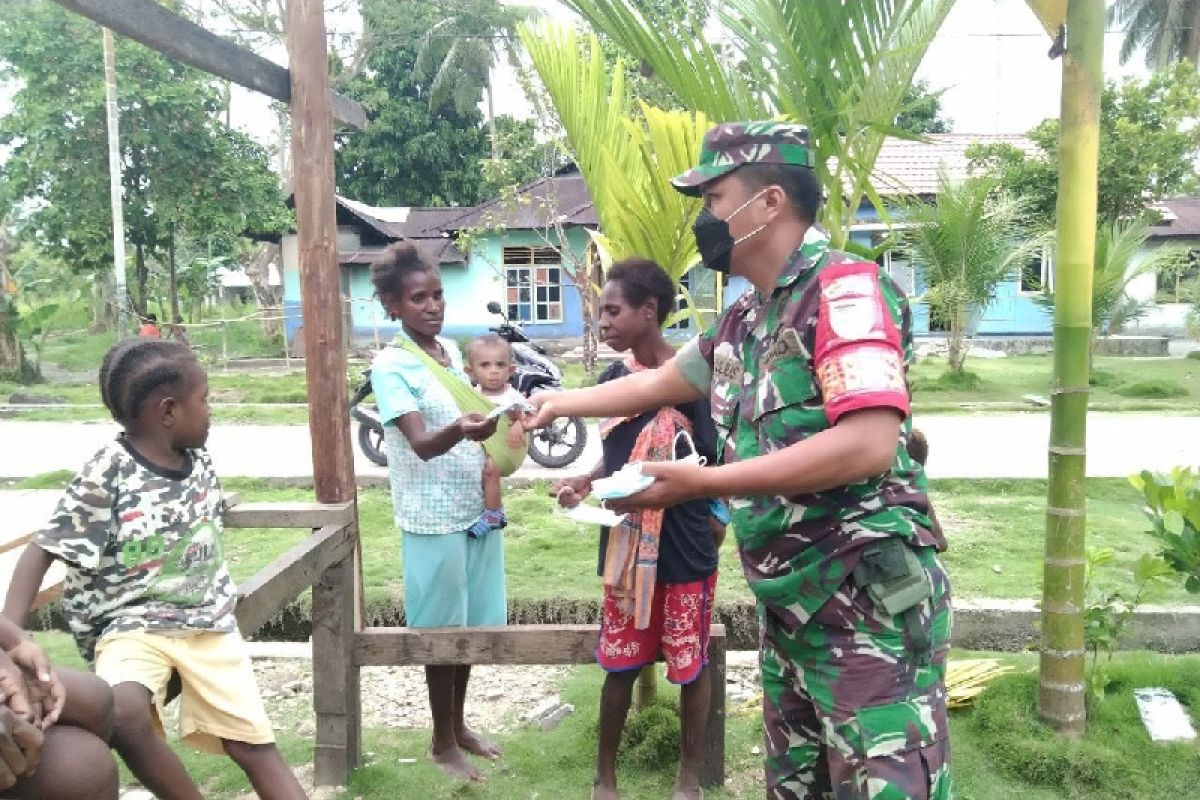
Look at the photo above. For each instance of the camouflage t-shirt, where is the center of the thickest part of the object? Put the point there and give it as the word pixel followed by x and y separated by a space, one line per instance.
pixel 143 547
pixel 834 336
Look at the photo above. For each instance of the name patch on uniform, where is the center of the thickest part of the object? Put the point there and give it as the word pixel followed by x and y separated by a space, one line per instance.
pixel 785 344
pixel 728 368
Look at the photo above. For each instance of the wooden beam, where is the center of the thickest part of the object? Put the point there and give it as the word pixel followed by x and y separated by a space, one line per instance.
pixel 261 597
pixel 289 515
pixel 712 764
pixel 184 41
pixel 515 644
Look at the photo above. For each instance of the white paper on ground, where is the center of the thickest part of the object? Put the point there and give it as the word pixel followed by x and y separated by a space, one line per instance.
pixel 1165 719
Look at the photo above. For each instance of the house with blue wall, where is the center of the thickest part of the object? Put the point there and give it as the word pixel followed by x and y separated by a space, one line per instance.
pixel 910 169
pixel 523 250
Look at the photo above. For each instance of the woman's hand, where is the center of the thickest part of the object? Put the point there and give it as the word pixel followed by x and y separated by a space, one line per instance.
pixel 42 680
pixel 675 482
pixel 20 747
pixel 570 492
pixel 477 427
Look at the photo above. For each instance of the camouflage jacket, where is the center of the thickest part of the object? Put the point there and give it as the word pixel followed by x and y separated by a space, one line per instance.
pixel 143 547
pixel 834 336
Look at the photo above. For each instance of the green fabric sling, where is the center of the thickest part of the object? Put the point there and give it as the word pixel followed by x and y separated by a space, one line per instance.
pixel 469 401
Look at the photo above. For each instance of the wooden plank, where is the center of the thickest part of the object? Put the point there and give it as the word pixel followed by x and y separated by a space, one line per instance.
pixel 17 542
pixel 336 691
pixel 184 41
pixel 514 644
pixel 289 515
pixel 52 584
pixel 712 763
pixel 261 597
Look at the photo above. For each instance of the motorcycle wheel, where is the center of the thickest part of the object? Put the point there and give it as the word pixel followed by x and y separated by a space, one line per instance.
pixel 558 444
pixel 370 441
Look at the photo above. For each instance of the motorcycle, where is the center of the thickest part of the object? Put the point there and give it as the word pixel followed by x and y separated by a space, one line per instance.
pixel 370 429
pixel 561 442
pixel 557 445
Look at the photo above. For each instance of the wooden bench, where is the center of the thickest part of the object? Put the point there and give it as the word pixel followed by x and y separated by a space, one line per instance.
pixel 534 644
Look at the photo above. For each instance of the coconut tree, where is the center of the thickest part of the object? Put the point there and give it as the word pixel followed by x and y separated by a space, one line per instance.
pixel 460 49
pixel 1118 246
pixel 966 243
pixel 842 69
pixel 1168 30
pixel 626 159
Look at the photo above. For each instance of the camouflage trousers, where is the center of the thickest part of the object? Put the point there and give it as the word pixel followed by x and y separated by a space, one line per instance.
pixel 847 712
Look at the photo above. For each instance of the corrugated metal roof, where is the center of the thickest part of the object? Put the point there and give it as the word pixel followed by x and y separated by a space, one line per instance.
pixel 911 167
pixel 1180 217
pixel 534 206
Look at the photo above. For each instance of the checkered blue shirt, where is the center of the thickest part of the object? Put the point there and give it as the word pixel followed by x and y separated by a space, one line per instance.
pixel 443 494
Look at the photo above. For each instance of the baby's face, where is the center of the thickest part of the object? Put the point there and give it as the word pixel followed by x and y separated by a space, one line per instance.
pixel 491 367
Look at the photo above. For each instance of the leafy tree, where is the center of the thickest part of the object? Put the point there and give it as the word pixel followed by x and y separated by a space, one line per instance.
pixel 1149 143
pixel 409 155
pixel 184 172
pixel 1168 30
pixel 967 243
pixel 921 111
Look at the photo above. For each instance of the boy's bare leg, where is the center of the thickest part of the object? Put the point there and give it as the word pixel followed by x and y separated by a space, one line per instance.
pixel 444 750
pixel 492 498
pixel 614 707
pixel 269 774
pixel 89 703
pixel 146 754
pixel 467 739
pixel 693 715
pixel 76 765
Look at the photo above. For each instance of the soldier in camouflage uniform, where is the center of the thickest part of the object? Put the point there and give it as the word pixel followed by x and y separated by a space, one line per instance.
pixel 807 376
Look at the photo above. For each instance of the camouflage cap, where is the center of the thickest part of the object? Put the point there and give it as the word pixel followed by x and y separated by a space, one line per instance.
pixel 732 144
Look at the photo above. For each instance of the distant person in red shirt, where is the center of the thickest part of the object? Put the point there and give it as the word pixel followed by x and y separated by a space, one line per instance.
pixel 149 327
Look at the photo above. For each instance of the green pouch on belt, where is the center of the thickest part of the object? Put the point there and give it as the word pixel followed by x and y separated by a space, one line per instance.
pixel 893 576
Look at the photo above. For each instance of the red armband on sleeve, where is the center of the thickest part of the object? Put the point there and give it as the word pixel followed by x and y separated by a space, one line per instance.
pixel 859 359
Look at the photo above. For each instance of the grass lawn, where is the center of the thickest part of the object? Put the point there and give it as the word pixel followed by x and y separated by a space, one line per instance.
pixel 1000 750
pixel 1118 384
pixel 551 561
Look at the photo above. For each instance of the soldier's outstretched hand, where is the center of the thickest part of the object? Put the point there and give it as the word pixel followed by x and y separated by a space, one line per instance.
pixel 675 482
pixel 543 414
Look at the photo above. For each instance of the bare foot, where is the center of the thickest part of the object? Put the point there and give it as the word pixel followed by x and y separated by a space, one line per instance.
pixel 687 789
pixel 602 791
pixel 474 743
pixel 455 764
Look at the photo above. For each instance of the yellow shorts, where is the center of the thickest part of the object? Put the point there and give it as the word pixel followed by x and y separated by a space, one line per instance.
pixel 220 697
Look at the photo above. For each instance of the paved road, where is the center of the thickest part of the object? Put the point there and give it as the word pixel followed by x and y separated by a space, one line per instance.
pixel 991 446
pixel 961 446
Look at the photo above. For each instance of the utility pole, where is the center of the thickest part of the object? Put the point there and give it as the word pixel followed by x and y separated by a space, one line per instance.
pixel 120 298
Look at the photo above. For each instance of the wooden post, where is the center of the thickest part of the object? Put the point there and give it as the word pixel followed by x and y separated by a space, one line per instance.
pixel 336 605
pixel 712 767
pixel 336 698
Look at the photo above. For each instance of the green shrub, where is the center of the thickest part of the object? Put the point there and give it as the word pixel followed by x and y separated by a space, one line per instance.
pixel 1194 355
pixel 651 738
pixel 1104 379
pixel 965 381
pixel 1156 389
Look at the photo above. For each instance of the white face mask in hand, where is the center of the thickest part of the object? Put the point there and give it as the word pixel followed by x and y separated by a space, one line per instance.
pixel 590 515
pixel 624 482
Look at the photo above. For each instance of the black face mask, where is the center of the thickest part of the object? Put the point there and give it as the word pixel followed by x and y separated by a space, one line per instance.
pixel 713 240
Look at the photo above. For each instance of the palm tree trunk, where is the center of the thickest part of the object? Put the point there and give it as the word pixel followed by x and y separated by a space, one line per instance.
pixel 174 279
pixel 956 348
pixel 1061 676
pixel 492 117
